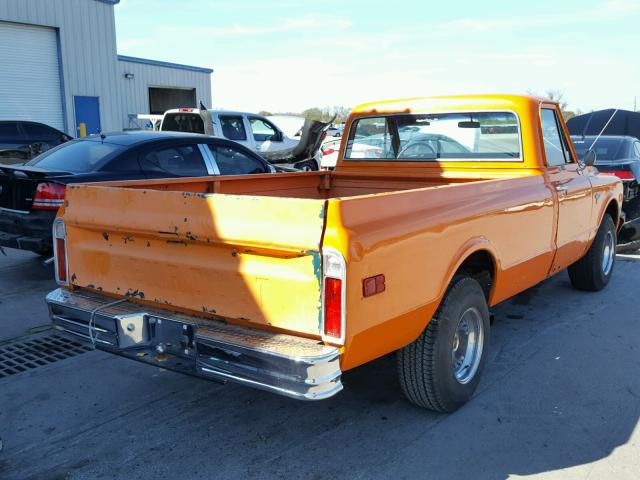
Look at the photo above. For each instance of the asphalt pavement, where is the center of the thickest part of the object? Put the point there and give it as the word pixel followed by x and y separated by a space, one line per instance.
pixel 560 398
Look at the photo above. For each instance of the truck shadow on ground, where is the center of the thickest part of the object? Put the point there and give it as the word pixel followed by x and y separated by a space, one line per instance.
pixel 29 269
pixel 556 394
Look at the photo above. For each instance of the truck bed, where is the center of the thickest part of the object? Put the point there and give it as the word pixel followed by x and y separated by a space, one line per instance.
pixel 245 249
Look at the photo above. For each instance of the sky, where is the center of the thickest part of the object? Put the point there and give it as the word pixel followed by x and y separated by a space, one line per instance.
pixel 289 55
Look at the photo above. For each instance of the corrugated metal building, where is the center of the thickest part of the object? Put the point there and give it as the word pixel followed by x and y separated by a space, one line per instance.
pixel 59 65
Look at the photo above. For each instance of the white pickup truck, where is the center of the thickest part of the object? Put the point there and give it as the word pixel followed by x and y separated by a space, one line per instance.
pixel 251 130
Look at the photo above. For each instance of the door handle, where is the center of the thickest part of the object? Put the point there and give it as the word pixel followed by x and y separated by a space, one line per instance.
pixel 561 188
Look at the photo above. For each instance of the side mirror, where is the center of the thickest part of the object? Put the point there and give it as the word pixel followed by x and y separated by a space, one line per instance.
pixel 278 137
pixel 590 158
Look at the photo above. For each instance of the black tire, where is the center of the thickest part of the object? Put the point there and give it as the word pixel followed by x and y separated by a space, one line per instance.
pixel 307 166
pixel 589 273
pixel 425 367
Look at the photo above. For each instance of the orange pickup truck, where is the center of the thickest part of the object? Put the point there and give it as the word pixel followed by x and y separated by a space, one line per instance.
pixel 438 209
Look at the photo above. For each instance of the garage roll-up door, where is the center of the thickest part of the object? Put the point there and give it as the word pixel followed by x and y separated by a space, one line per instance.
pixel 29 74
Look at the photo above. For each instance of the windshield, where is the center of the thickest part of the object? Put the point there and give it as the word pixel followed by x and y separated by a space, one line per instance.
pixel 436 136
pixel 606 148
pixel 77 156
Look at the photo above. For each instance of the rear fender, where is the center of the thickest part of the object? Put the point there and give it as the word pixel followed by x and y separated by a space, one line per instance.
pixel 472 246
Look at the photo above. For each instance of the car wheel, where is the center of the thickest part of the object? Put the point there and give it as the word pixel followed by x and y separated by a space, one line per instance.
pixel 593 271
pixel 441 369
pixel 307 166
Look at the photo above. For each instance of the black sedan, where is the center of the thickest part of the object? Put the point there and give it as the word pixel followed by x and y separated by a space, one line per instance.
pixel 20 140
pixel 31 194
pixel 620 156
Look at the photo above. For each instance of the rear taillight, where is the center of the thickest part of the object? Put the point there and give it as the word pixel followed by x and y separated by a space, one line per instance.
pixel 333 307
pixel 49 196
pixel 60 251
pixel 333 300
pixel 328 151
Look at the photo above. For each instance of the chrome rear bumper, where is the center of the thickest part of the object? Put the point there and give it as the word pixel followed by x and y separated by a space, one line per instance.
pixel 285 364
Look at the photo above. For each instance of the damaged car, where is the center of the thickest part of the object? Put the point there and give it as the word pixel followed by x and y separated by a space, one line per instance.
pixel 255 132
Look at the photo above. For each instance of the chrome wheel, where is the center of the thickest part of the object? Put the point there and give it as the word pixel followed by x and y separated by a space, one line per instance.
pixel 608 253
pixel 468 342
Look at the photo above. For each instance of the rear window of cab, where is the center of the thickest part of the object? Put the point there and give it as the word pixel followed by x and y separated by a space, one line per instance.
pixel 459 136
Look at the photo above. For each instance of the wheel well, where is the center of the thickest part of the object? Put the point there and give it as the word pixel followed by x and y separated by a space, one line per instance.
pixel 480 265
pixel 612 209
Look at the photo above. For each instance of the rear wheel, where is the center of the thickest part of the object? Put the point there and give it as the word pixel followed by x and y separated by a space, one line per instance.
pixel 441 369
pixel 593 271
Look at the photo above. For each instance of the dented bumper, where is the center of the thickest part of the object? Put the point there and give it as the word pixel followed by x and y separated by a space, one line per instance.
pixel 295 367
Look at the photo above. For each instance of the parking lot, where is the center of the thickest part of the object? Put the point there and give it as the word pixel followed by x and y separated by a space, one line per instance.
pixel 560 398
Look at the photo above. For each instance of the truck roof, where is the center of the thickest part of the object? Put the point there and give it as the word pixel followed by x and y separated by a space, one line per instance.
pixel 211 110
pixel 453 102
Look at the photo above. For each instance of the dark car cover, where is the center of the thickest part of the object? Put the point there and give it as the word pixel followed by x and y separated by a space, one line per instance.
pixel 624 122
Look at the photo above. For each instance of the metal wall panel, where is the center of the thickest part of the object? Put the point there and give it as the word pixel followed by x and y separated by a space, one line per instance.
pixel 88 54
pixel 135 91
pixel 89 64
pixel 30 76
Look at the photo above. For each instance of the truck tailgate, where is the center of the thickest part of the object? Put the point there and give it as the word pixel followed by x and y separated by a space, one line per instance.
pixel 249 258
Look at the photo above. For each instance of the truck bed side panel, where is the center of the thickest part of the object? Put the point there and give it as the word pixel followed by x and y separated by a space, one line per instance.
pixel 416 239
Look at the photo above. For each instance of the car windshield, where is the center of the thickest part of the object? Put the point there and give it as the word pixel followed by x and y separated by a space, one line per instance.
pixel 77 156
pixel 606 148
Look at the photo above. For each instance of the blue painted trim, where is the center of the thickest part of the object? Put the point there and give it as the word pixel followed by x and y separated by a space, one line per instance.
pixel 110 2
pixel 157 63
pixel 63 95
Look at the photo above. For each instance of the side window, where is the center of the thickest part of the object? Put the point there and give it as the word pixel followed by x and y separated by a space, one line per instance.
pixel 126 162
pixel 233 127
pixel 553 145
pixel 636 147
pixel 262 131
pixel 41 133
pixel 370 138
pixel 181 161
pixel 232 161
